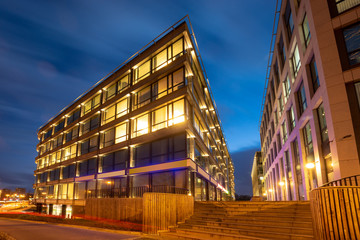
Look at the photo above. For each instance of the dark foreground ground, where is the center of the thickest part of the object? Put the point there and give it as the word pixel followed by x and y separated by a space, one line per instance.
pixel 25 230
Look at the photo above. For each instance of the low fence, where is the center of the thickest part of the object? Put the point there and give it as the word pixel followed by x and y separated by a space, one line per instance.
pixel 161 210
pixel 336 212
pixel 120 209
pixel 154 211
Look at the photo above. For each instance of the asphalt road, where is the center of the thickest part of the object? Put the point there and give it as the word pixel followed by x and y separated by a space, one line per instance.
pixel 22 230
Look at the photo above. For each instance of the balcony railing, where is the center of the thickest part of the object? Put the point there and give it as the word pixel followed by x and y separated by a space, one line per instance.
pixel 347 181
pixel 139 191
pixel 134 191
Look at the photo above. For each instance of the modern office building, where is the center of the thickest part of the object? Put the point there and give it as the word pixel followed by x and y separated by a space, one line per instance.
pixel 151 125
pixel 257 176
pixel 310 122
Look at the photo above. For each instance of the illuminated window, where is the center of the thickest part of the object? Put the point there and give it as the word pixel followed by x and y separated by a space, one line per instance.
pixel 111 91
pixel 91 104
pixel 291 119
pixel 179 112
pixel 281 105
pixel 123 83
pixel 322 124
pixel 177 48
pixel 160 60
pixel 70 152
pixel 306 31
pixel 308 139
pixel 198 126
pixel 57 157
pixel 117 87
pixel 141 125
pixel 159 89
pixel 142 71
pixel 178 79
pixel 159 118
pixel 142 97
pixel 286 88
pixel 296 60
pixel 63 191
pixel 116 111
pixel 109 114
pixel 122 108
pixel 115 135
pixel 121 133
pixel 284 132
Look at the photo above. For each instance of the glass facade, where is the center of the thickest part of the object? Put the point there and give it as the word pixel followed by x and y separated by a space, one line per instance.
pixel 137 134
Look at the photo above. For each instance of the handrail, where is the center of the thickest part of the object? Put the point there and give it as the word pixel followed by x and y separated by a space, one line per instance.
pixel 346 181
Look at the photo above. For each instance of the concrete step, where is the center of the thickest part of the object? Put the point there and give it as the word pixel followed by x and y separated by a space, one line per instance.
pixel 259 227
pixel 247 232
pixel 248 203
pixel 256 208
pixel 267 222
pixel 205 235
pixel 248 210
pixel 252 218
pixel 261 213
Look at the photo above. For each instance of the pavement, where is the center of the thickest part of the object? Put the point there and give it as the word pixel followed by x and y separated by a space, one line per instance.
pixel 29 230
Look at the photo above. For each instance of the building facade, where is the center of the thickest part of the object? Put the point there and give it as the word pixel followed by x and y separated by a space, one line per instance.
pixel 310 125
pixel 149 126
pixel 257 176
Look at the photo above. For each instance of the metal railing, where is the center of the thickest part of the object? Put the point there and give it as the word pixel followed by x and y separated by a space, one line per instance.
pixel 347 181
pixel 139 191
pixel 134 191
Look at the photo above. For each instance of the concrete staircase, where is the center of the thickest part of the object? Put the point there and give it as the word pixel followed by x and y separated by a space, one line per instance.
pixel 245 220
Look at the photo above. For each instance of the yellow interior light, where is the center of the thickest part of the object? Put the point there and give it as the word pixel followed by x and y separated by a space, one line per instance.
pixel 310 165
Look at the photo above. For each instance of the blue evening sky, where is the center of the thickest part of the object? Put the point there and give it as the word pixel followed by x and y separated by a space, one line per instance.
pixel 52 51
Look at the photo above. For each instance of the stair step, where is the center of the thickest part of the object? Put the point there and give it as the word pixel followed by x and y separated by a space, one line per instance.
pixel 205 235
pixel 253 218
pixel 247 232
pixel 269 214
pixel 289 227
pixel 242 211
